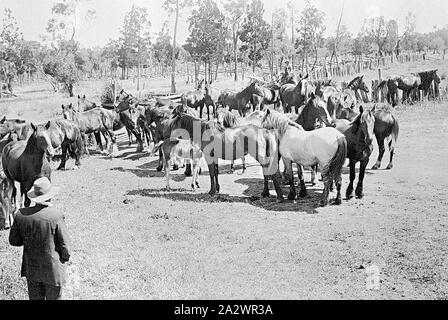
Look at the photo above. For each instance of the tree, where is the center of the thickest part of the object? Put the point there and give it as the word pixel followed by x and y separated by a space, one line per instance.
pixel 175 6
pixel 207 30
pixel 409 39
pixel 134 41
pixel 281 46
pixel 255 33
pixel 235 13
pixel 311 28
pixel 162 48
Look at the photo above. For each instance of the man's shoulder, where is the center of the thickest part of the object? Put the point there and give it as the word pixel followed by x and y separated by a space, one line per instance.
pixel 44 213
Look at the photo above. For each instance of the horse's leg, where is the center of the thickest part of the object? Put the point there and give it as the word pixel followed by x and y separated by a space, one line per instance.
pixel 218 187
pixel 285 178
pixel 129 137
pixel 277 180
pixel 188 169
pixel 292 189
pixel 98 140
pixel 208 112
pixel 243 159
pixel 265 193
pixel 349 192
pixel 302 193
pixel 160 166
pixel 232 162
pixel 338 181
pixel 391 151
pixel 84 143
pixel 382 149
pixel 211 170
pixel 362 170
pixel 64 156
pixel 325 195
pixel 167 171
pixel 194 182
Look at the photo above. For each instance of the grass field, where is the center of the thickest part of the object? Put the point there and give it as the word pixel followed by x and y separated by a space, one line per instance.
pixel 132 240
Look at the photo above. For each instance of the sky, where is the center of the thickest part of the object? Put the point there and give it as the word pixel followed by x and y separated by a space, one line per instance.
pixel 32 15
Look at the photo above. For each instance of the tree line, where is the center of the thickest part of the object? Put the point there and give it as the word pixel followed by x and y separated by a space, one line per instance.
pixel 233 33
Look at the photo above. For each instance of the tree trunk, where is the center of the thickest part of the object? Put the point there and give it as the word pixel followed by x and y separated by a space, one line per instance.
pixel 173 67
pixel 235 56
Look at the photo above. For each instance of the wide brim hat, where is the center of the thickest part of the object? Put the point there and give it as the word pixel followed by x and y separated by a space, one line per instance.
pixel 42 190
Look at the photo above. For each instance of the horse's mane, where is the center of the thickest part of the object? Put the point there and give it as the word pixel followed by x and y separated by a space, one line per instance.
pixel 353 81
pixel 187 122
pixel 282 122
pixel 230 120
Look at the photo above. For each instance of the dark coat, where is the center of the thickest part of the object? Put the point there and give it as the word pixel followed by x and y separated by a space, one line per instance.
pixel 43 233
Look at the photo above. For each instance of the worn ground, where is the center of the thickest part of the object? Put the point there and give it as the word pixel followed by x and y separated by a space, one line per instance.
pixel 132 240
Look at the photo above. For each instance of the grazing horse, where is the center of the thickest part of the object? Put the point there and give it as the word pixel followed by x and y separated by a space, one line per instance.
pixel 25 161
pixel 65 134
pixel 95 121
pixel 326 147
pixel 217 142
pixel 296 95
pixel 239 100
pixel 386 126
pixel 359 134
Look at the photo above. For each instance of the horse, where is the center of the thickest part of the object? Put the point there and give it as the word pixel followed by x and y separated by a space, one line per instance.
pixel 200 98
pixel 386 126
pixel 86 105
pixel 182 149
pixel 239 100
pixel 19 127
pixel 428 78
pixel 326 147
pixel 25 161
pixel 390 88
pixel 357 90
pixel 7 202
pixel 230 120
pixel 359 135
pixel 296 95
pixel 65 134
pixel 217 142
pixel 410 87
pixel 270 96
pixel 95 121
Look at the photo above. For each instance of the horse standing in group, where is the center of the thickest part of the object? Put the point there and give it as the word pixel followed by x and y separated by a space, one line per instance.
pixel 26 161
pixel 239 100
pixel 326 147
pixel 296 95
pixel 200 98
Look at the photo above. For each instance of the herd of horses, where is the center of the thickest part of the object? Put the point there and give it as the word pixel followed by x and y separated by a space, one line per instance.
pixel 315 124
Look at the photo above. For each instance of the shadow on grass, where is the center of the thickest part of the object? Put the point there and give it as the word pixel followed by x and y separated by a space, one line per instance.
pixel 252 196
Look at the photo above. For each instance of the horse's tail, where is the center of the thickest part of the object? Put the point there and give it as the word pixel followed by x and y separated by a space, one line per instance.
pixel 334 167
pixel 394 134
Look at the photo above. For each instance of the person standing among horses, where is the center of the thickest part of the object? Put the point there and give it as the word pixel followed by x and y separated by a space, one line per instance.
pixel 41 230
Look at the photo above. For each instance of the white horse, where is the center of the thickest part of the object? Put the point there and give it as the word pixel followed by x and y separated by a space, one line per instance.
pixel 326 147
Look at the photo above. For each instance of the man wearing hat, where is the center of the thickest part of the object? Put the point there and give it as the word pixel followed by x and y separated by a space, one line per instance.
pixel 42 231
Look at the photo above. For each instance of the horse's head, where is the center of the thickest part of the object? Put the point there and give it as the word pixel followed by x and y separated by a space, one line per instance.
pixel 367 124
pixel 7 201
pixel 318 108
pixel 42 138
pixel 68 112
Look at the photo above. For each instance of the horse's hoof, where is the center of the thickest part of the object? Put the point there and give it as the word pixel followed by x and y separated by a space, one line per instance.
pixel 159 168
pixel 265 195
pixel 187 173
pixel 280 199
pixel 376 167
pixel 76 167
pixel 212 193
pixel 303 194
pixel 390 166
pixel 323 203
pixel 197 185
pixel 292 196
pixel 193 188
pixel 349 194
pixel 175 167
pixel 359 195
pixel 337 202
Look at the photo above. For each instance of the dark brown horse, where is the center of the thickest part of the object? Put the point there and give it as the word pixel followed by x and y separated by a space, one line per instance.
pixel 25 161
pixel 239 100
pixel 428 79
pixel 409 85
pixel 95 121
pixel 386 126
pixel 296 95
pixel 200 98
pixel 359 134
pixel 358 89
pixel 216 142
pixel 65 134
pixel 390 87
